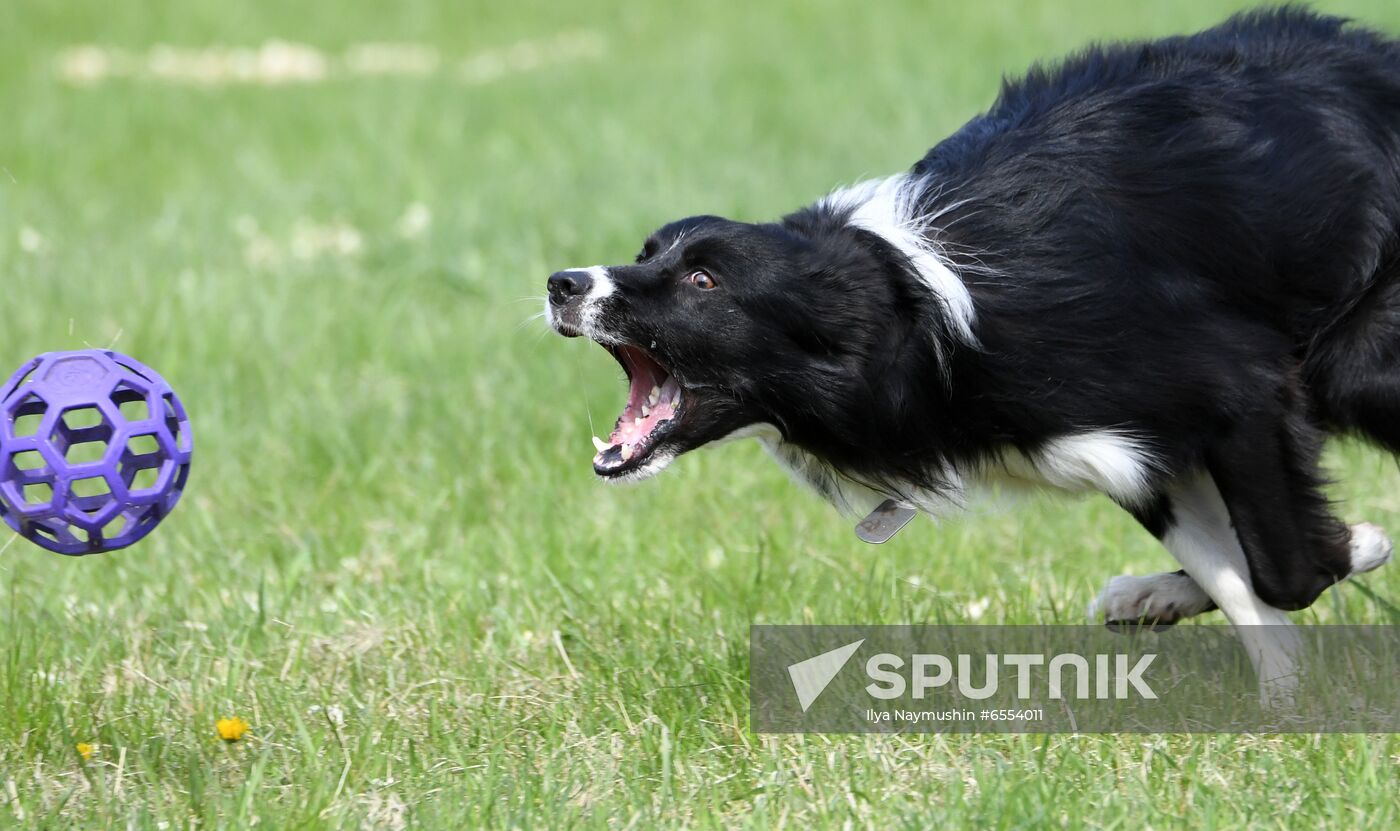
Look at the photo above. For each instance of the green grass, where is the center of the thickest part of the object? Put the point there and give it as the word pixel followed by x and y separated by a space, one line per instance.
pixel 393 560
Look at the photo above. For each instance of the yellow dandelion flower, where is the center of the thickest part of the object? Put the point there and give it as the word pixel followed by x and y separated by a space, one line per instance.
pixel 231 729
pixel 86 749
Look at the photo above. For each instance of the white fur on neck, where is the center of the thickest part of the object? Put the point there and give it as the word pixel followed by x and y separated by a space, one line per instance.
pixel 889 207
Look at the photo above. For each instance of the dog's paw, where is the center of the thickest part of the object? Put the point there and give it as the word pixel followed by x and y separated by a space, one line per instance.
pixel 1158 600
pixel 1370 548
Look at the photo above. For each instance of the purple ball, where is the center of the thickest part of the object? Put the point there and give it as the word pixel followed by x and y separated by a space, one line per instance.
pixel 95 450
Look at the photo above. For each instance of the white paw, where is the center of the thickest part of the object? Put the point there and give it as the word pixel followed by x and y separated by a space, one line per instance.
pixel 1155 599
pixel 1370 548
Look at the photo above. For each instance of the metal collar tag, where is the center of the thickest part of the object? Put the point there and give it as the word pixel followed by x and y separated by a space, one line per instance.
pixel 884 522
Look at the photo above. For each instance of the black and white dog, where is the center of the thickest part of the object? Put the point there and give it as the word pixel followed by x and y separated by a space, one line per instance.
pixel 1165 271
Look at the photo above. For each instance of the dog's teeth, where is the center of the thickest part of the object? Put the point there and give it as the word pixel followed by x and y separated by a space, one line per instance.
pixel 654 396
pixel 646 411
pixel 599 444
pixel 636 422
pixel 626 452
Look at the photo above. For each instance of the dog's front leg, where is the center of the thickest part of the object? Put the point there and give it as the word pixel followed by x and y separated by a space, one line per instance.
pixel 1201 537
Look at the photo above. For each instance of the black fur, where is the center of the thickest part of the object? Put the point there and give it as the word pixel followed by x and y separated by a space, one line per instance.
pixel 1194 240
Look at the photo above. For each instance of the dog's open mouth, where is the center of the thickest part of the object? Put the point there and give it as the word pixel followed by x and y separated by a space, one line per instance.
pixel 652 411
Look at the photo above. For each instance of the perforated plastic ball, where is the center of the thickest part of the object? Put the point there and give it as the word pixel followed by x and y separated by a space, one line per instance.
pixel 95 450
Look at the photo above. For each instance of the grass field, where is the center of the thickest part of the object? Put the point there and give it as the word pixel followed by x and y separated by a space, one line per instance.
pixel 393 560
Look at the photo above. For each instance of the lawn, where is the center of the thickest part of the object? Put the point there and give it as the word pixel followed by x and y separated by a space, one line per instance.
pixel 393 560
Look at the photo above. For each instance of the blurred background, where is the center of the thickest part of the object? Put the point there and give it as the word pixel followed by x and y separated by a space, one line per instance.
pixel 329 225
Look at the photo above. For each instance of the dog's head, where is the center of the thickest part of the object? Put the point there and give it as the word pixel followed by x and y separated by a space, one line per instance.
pixel 720 325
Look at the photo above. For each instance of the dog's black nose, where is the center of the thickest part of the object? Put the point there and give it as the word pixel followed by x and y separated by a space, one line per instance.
pixel 566 285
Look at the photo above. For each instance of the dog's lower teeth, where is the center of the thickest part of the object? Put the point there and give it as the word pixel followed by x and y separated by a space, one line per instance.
pixel 599 444
pixel 626 452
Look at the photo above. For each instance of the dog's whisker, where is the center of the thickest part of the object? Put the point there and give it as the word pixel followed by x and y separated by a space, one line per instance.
pixel 531 319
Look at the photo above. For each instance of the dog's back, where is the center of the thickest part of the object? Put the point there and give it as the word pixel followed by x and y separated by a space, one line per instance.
pixel 1242 180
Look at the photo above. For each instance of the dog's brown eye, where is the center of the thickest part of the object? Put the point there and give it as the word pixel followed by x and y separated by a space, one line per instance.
pixel 700 279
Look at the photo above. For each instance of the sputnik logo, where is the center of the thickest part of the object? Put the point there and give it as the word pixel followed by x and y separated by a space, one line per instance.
pixel 812 676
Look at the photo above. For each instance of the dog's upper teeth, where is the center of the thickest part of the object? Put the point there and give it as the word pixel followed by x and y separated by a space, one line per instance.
pixel 654 396
pixel 646 411
pixel 600 445
pixel 636 422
